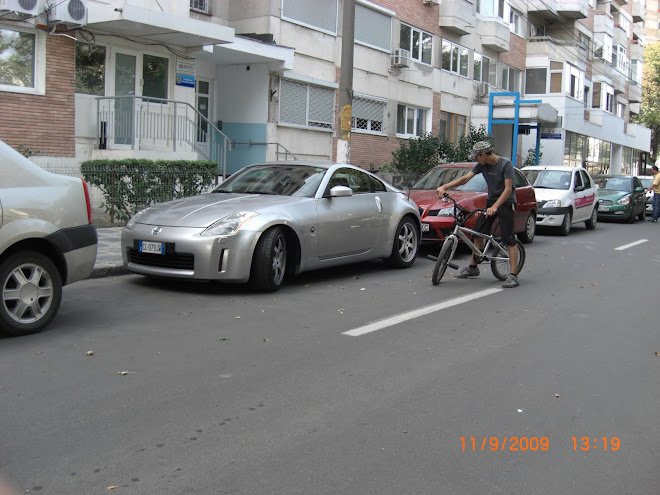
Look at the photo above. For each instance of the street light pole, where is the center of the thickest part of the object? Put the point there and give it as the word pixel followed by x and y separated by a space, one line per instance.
pixel 346 82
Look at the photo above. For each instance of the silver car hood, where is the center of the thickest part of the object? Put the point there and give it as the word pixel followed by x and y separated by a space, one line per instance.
pixel 201 211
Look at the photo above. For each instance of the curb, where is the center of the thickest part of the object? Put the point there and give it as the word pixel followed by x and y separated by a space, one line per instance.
pixel 108 271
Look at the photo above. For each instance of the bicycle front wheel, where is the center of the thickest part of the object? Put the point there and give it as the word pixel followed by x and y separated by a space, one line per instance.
pixel 441 263
pixel 502 269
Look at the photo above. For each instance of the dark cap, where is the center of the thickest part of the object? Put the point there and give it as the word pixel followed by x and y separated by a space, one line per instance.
pixel 654 168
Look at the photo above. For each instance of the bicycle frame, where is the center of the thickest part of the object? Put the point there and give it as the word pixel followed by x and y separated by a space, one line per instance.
pixel 461 232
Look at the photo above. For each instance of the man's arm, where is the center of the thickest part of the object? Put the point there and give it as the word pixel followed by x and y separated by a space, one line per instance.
pixel 456 182
pixel 656 181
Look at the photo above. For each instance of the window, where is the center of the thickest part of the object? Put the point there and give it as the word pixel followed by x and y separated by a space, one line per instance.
pixel 306 105
pixel 584 44
pixel 535 81
pixel 624 23
pixel 410 121
pixel 418 43
pixel 604 48
pixel 200 5
pixel 485 69
pixel 603 97
pixel 510 78
pixel 620 59
pixel 620 109
pixel 90 69
pixel 556 75
pixel 22 67
pixel 494 8
pixel 312 13
pixel 455 58
pixel 452 126
pixel 576 82
pixel 155 72
pixel 636 71
pixel 373 28
pixel 516 24
pixel 369 114
pixel 536 30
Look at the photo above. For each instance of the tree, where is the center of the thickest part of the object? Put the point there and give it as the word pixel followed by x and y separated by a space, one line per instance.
pixel 649 115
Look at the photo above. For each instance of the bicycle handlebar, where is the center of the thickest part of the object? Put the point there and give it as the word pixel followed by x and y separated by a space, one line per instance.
pixel 462 209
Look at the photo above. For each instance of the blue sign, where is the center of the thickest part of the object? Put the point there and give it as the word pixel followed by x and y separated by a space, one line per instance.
pixel 185 80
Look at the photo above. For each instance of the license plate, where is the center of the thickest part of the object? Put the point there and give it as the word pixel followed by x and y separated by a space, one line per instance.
pixel 425 227
pixel 603 208
pixel 152 247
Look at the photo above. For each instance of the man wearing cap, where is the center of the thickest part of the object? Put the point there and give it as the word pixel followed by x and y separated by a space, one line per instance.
pixel 501 202
pixel 655 187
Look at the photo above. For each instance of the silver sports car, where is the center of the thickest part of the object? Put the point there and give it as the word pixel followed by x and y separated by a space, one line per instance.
pixel 275 219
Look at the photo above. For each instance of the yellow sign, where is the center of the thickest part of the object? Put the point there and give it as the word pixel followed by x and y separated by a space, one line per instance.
pixel 345 122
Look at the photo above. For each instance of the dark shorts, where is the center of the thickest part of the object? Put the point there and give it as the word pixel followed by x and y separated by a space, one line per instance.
pixel 505 216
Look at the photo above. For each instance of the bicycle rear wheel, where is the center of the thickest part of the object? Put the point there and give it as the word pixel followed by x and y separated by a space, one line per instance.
pixel 441 263
pixel 502 269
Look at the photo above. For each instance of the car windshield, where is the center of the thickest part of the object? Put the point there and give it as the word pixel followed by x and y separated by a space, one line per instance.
pixel 439 176
pixel 280 180
pixel 548 179
pixel 613 183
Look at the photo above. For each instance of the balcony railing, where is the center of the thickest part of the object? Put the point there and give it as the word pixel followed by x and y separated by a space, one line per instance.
pixel 141 123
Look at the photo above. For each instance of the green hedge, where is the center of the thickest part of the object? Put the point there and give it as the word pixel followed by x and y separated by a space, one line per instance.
pixel 131 185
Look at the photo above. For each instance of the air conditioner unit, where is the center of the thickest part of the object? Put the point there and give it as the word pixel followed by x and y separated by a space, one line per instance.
pixel 17 10
pixel 432 2
pixel 484 88
pixel 400 58
pixel 70 12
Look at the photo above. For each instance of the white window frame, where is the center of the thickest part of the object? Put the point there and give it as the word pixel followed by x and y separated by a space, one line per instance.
pixel 422 35
pixel 622 62
pixel 636 68
pixel 463 53
pixel 510 72
pixel 39 76
pixel 575 82
pixel 416 118
pixel 516 22
pixel 200 6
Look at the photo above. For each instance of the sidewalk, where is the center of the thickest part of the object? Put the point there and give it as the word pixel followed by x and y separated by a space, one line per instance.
pixel 108 256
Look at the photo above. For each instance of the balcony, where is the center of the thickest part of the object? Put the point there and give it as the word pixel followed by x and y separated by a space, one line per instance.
pixel 547 46
pixel 543 9
pixel 619 81
pixel 456 16
pixel 636 51
pixel 620 36
pixel 638 12
pixel 638 31
pixel 603 23
pixel 574 9
pixel 603 69
pixel 634 92
pixel 495 34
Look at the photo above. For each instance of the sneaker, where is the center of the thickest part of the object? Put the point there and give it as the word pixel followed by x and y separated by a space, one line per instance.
pixel 511 281
pixel 469 271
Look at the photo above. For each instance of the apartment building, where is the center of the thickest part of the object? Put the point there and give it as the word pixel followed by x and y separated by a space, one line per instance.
pixel 241 82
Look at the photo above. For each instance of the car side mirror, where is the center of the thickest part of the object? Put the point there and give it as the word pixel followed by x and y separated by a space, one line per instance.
pixel 578 188
pixel 639 189
pixel 340 192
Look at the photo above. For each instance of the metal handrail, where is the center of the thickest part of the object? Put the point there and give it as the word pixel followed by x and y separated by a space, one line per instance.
pixel 286 152
pixel 169 128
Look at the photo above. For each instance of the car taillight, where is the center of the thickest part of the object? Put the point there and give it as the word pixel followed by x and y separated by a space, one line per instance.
pixel 89 204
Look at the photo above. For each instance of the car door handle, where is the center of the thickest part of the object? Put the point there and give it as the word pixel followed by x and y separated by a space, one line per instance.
pixel 379 205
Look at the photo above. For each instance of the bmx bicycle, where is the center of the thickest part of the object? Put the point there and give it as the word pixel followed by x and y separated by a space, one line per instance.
pixel 493 251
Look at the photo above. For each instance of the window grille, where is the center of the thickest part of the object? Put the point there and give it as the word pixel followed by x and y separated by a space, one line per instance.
pixel 200 5
pixel 373 28
pixel 306 105
pixel 369 115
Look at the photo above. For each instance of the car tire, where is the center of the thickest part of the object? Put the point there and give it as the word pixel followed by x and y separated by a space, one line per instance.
pixel 642 215
pixel 527 235
pixel 405 245
pixel 31 293
pixel 565 227
pixel 632 217
pixel 593 220
pixel 269 261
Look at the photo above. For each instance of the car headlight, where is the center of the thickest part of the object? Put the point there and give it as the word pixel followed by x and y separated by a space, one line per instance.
pixel 623 201
pixel 132 221
pixel 553 203
pixel 230 224
pixel 446 212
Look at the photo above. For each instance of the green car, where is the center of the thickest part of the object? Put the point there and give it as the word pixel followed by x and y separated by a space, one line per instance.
pixel 620 197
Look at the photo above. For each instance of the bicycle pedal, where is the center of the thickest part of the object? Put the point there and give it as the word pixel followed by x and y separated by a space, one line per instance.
pixel 431 257
pixel 453 265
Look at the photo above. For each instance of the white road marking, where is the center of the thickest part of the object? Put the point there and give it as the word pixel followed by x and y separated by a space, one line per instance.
pixel 416 313
pixel 626 246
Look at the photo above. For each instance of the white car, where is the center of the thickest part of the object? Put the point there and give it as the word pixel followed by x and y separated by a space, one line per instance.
pixel 565 196
pixel 47 240
pixel 647 180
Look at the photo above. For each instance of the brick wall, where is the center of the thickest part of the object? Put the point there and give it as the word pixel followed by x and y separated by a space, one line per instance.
pixel 44 123
pixel 419 14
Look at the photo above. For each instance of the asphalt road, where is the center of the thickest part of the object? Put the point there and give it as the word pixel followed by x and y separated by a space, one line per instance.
pixel 231 392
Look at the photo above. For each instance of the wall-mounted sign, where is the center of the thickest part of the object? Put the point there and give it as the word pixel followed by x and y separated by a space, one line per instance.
pixel 185 72
pixel 550 133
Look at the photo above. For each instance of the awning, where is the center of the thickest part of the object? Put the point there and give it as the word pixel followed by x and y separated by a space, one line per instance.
pixel 529 113
pixel 152 25
pixel 247 51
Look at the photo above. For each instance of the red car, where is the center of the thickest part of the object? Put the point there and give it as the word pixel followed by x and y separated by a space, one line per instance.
pixel 437 214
